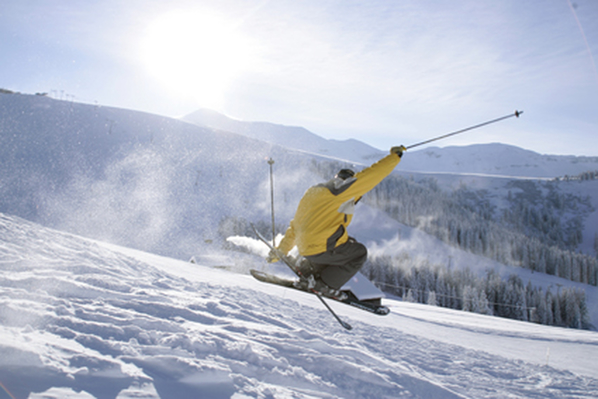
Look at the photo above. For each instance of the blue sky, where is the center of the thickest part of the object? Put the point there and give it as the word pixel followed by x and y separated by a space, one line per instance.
pixel 383 72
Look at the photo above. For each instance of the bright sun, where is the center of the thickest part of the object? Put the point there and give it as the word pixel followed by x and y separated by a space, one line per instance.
pixel 195 54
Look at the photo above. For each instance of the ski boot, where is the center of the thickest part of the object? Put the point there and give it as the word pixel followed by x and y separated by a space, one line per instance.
pixel 310 279
pixel 318 286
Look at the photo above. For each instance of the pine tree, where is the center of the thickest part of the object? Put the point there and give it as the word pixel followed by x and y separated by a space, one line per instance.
pixel 583 309
pixel 484 306
pixel 522 304
pixel 539 302
pixel 470 299
pixel 556 310
pixel 549 300
pixel 432 298
pixel 572 314
pixel 409 297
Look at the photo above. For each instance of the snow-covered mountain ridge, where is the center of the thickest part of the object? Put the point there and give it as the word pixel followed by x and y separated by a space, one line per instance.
pixel 500 160
pixel 493 159
pixel 85 319
pixel 486 169
pixel 297 138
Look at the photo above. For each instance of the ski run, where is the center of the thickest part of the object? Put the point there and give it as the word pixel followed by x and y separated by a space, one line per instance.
pixel 86 319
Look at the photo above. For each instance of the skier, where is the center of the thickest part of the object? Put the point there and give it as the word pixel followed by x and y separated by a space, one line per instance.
pixel 328 256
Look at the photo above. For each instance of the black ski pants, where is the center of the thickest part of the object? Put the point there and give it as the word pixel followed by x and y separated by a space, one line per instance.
pixel 336 267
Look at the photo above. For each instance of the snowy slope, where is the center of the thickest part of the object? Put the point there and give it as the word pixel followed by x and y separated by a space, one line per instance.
pixel 140 180
pixel 85 319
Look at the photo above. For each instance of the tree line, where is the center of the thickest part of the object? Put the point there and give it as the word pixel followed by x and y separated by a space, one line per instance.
pixel 461 289
pixel 530 233
pixel 538 230
pixel 584 176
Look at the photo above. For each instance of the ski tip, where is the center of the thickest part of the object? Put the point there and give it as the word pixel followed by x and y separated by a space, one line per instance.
pixel 347 326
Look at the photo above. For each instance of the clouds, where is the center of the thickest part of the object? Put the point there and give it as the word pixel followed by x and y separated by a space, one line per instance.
pixel 343 69
pixel 376 66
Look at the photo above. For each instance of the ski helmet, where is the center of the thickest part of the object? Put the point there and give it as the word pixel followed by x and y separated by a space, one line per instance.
pixel 345 174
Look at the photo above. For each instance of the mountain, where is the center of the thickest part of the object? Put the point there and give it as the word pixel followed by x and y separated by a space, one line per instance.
pixel 177 189
pixel 488 159
pixel 115 315
pixel 136 179
pixel 85 319
pixel 297 138
pixel 497 159
pixel 494 172
pixel 170 187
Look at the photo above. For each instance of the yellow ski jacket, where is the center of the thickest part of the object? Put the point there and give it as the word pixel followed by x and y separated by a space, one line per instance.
pixel 325 211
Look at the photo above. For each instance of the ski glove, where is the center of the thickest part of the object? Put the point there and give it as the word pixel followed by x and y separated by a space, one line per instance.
pixel 399 150
pixel 272 257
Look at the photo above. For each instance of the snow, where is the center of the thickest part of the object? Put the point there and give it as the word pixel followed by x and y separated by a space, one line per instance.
pixel 494 159
pixel 82 318
pixel 87 319
pixel 165 186
pixel 500 160
pixel 359 285
pixel 385 237
pixel 296 138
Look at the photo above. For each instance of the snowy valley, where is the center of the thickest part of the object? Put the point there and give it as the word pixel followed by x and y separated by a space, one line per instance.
pixel 123 313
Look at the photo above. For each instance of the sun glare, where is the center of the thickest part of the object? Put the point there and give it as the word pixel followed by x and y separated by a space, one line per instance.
pixel 195 54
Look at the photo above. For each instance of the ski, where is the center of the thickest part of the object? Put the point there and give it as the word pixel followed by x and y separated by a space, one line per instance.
pixel 351 300
pixel 282 257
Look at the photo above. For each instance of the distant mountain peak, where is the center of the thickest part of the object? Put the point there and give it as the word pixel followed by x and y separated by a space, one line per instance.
pixel 498 159
pixel 293 137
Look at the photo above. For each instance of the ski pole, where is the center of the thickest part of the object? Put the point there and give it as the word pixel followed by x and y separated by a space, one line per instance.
pixel 271 162
pixel 517 113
